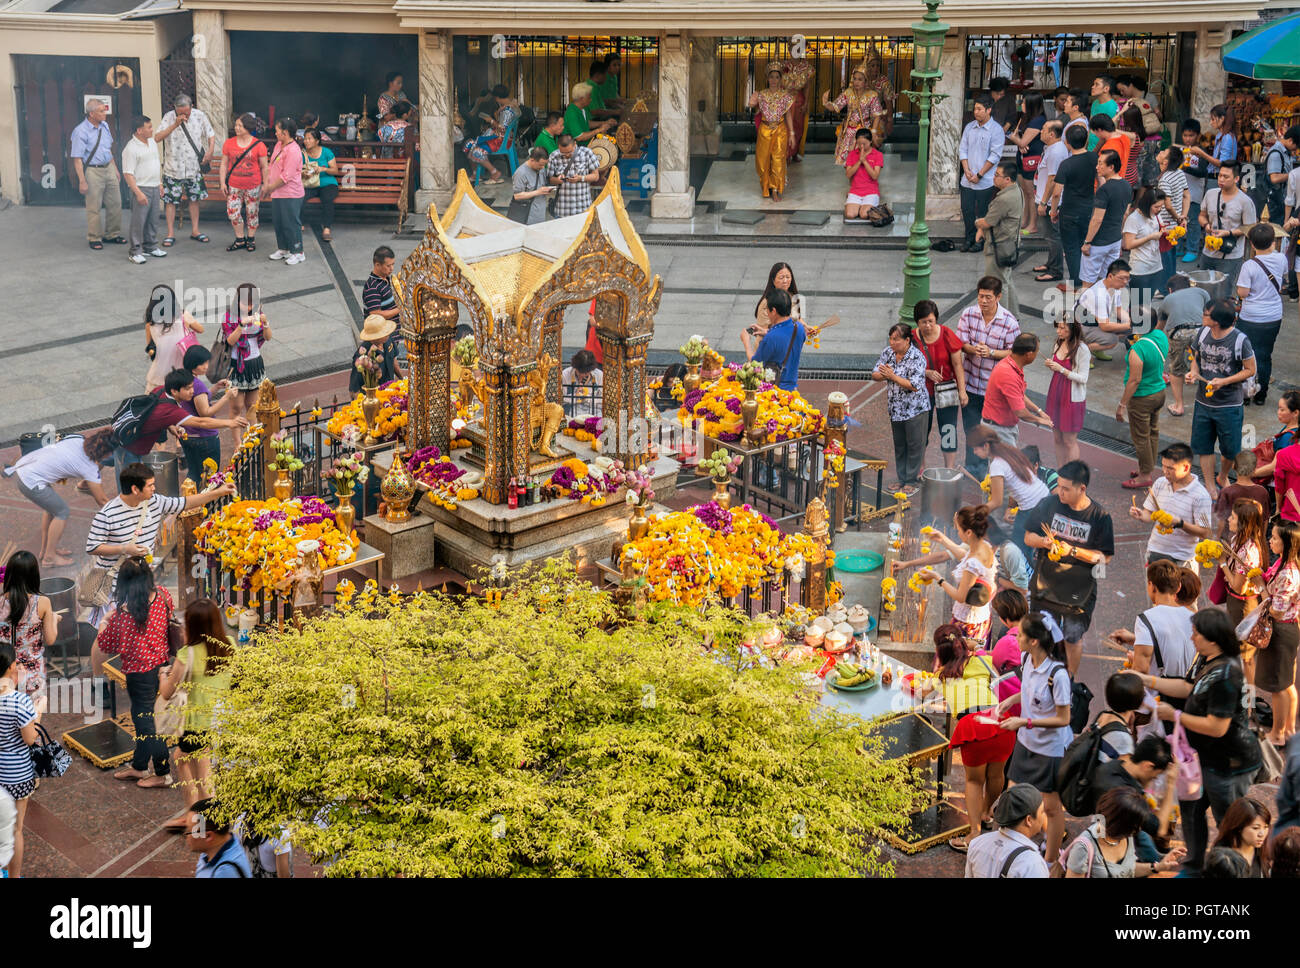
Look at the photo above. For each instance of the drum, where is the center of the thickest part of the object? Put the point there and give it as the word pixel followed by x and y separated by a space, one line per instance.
pixel 605 150
pixel 625 138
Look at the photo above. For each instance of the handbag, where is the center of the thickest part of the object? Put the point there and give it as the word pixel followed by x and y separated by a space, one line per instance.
pixel 95 584
pixel 1188 784
pixel 945 393
pixel 189 339
pixel 49 758
pixel 169 714
pixel 1004 261
pixel 1030 163
pixel 219 366
pixel 175 632
pixel 1256 629
pixel 1218 593
pixel 310 176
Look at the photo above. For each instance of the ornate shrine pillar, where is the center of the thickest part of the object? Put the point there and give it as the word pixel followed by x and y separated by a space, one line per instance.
pixel 428 336
pixel 437 111
pixel 674 197
pixel 942 196
pixel 623 396
pixel 836 427
pixel 552 330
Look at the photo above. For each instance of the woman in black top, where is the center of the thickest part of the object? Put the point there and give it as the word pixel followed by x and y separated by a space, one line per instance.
pixel 1027 136
pixel 1216 719
pixel 1245 829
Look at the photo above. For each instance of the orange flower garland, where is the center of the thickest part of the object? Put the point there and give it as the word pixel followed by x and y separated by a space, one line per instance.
pixel 389 421
pixel 784 414
pixel 267 556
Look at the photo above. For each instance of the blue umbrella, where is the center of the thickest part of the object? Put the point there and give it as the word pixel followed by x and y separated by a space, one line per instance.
pixel 1270 52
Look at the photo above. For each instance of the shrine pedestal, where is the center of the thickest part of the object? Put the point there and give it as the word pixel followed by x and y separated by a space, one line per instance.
pixel 408 547
pixel 477 533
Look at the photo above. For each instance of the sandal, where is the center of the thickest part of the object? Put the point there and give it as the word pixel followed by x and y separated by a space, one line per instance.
pixel 127 773
pixel 1175 413
pixel 250 245
pixel 325 234
pixel 200 238
pixel 1133 484
pixel 237 244
pixel 1047 277
pixel 116 240
pixel 169 241
pixel 959 844
pixel 155 782
pixel 1042 268
pixel 97 245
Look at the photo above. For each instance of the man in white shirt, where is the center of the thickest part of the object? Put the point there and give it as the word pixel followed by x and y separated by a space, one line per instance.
pixel 980 150
pixel 1259 287
pixel 1226 212
pixel 1102 310
pixel 1180 493
pixel 1165 627
pixel 190 143
pixel 1009 852
pixel 143 173
pixel 1055 152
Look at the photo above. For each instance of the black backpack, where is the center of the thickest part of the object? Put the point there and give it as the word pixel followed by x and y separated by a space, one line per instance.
pixel 1074 779
pixel 130 416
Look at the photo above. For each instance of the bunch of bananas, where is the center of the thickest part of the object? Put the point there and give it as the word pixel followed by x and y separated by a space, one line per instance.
pixel 847 674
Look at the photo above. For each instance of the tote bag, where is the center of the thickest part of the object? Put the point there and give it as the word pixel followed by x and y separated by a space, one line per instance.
pixel 1189 784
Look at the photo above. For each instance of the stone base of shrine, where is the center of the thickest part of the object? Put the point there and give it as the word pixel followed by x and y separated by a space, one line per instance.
pixel 476 534
pixel 408 547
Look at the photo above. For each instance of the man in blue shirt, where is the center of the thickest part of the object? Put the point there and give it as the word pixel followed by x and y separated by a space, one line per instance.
pixel 97 177
pixel 221 855
pixel 782 345
pixel 980 149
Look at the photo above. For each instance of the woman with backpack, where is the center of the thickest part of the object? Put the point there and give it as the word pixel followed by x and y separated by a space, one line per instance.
pixel 1216 719
pixel 973 577
pixel 197 670
pixel 964 682
pixel 1106 848
pixel 1042 730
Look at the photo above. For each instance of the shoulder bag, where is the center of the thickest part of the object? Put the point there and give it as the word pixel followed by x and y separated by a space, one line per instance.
pixel 169 714
pixel 204 166
pixel 1263 268
pixel 242 155
pixel 95 584
pixel 1188 784
pixel 945 393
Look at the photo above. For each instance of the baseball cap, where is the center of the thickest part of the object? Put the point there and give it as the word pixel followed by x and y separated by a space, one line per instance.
pixel 1015 804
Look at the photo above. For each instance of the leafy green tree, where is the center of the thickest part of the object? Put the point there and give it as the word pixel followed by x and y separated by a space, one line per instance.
pixel 547 737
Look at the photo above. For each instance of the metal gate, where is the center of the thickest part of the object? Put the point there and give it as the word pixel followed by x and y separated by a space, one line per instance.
pixel 50 93
pixel 176 76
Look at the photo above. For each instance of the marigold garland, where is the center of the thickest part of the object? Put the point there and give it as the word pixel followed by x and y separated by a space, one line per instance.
pixel 782 414
pixel 257 540
pixel 708 552
pixel 390 419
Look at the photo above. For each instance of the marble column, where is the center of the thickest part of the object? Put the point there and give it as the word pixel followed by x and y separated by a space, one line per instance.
pixel 706 132
pixel 212 71
pixel 674 197
pixel 1209 81
pixel 437 111
pixel 942 199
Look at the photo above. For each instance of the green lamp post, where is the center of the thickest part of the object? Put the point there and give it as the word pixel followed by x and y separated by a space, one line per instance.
pixel 927 50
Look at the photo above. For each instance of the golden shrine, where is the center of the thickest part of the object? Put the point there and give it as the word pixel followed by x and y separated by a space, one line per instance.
pixel 511 283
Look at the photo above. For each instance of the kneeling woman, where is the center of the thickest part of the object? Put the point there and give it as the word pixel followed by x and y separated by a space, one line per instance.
pixel 1043 731
pixel 964 682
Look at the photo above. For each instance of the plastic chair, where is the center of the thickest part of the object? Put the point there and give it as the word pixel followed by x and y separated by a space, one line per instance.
pixel 507 150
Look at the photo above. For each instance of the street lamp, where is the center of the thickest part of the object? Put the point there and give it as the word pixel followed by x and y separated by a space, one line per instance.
pixel 927 47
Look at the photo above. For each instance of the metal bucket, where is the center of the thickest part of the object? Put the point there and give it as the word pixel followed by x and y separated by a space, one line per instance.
pixel 166 472
pixel 62 593
pixel 1212 281
pixel 940 495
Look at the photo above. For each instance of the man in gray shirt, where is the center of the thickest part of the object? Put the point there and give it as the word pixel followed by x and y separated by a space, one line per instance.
pixel 530 189
pixel 1226 213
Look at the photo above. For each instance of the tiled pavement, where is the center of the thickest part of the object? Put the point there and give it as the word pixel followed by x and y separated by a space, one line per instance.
pixel 88 824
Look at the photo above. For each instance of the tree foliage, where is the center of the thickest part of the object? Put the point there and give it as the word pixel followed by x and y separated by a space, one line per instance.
pixel 542 737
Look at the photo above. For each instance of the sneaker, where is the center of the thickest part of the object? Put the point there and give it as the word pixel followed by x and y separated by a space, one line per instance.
pixel 1190 257
pixel 1099 355
pixel 278 254
pixel 138 259
pixel 295 258
pixel 158 253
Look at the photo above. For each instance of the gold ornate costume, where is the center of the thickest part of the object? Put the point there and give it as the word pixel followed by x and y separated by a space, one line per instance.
pixel 773 139
pixel 543 415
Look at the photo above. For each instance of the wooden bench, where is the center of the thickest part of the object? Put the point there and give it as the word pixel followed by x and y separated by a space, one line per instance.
pixel 364 181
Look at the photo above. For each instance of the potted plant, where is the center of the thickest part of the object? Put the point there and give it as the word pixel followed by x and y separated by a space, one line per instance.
pixel 751 376
pixel 720 465
pixel 370 365
pixel 346 472
pixel 285 463
pixel 693 351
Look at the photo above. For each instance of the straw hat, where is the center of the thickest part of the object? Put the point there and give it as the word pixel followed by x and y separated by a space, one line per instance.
pixel 376 328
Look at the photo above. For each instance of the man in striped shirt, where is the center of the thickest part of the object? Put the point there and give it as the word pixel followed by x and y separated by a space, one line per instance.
pixel 377 297
pixel 986 331
pixel 128 525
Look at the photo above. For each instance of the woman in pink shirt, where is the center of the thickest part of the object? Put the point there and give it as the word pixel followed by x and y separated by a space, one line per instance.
pixel 863 167
pixel 284 187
